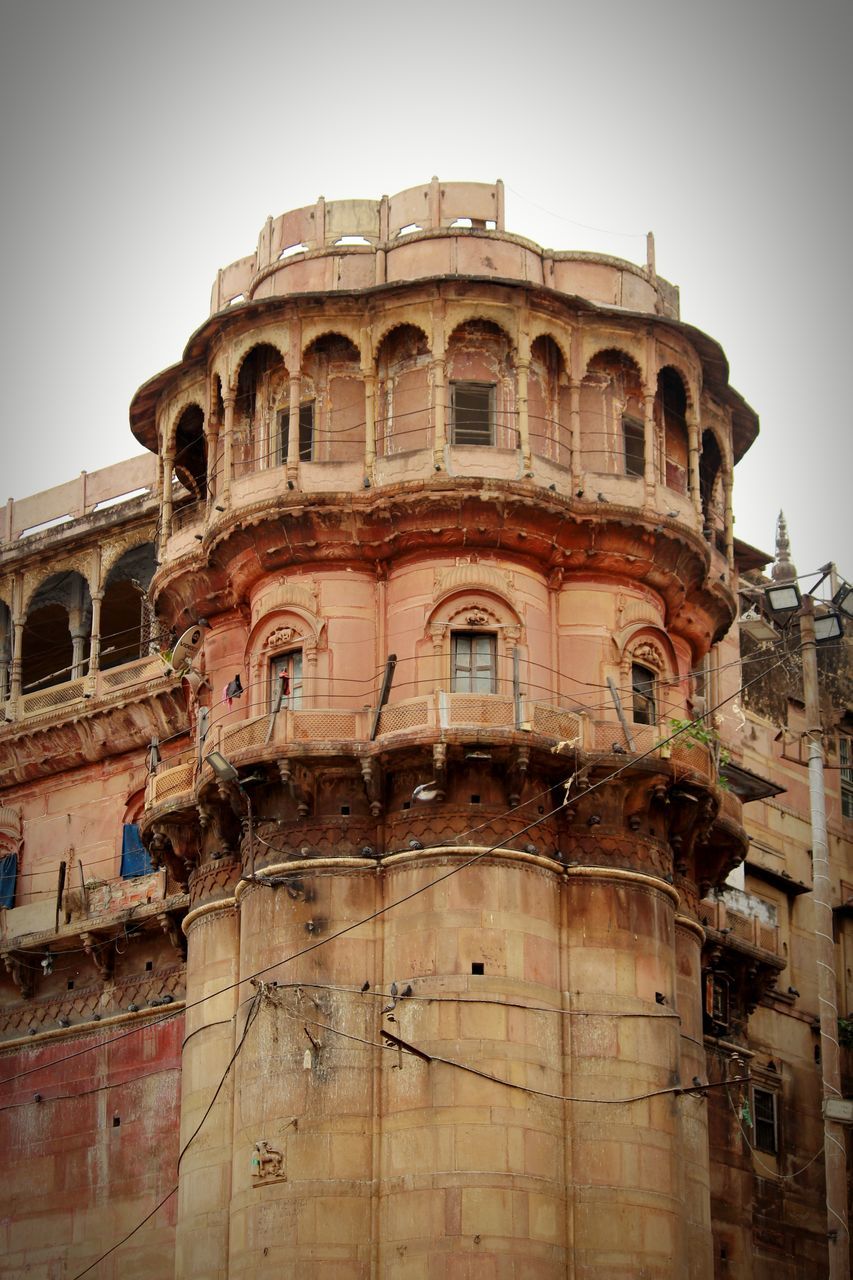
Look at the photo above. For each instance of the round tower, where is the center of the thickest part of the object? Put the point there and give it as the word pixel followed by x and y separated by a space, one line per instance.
pixel 457 511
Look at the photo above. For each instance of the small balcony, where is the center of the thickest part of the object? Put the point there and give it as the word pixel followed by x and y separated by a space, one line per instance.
pixel 104 685
pixel 438 716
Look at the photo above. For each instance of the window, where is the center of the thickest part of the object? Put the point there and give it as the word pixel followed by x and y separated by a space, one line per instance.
pixel 764 1119
pixel 473 662
pixel 473 408
pixel 717 1000
pixel 306 432
pixel 289 664
pixel 643 693
pixel 634 440
pixel 845 759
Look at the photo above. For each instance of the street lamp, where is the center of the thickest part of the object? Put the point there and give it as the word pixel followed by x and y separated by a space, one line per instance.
pixel 843 599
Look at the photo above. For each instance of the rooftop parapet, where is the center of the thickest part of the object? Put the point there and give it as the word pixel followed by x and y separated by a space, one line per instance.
pixel 90 491
pixel 434 230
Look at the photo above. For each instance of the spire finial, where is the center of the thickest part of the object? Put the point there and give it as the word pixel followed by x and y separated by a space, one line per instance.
pixel 784 570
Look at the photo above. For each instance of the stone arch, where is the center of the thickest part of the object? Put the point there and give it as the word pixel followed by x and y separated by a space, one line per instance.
pixel 481 315
pixel 480 357
pixel 389 324
pixel 312 334
pixel 403 360
pixel 6 646
pixel 548 399
pixel 688 378
pixel 190 449
pixel 286 628
pixel 57 631
pixel 331 365
pixel 648 648
pixel 128 627
pixel 612 412
pixel 715 480
pixel 671 404
pixel 243 348
pixel 261 393
pixel 482 617
pixel 628 350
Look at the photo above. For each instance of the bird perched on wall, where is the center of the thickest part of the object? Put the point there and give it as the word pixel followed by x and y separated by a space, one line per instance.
pixel 426 791
pixel 415 844
pixel 365 986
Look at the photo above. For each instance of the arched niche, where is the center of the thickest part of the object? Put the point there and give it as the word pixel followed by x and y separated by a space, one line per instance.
pixel 331 370
pixel 190 461
pixel 712 488
pixel 289 630
pixel 468 645
pixel 403 391
pixel 648 670
pixel 262 392
pixel 480 363
pixel 671 403
pixel 548 405
pixel 6 646
pixel 57 631
pixel 127 619
pixel 612 414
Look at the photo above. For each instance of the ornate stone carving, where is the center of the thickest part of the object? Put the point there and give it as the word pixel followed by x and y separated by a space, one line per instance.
pixel 472 573
pixel 22 971
pixel 101 951
pixel 281 637
pixel 267 1165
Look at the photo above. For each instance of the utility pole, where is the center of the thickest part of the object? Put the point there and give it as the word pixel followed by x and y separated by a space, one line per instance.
pixel 835 1156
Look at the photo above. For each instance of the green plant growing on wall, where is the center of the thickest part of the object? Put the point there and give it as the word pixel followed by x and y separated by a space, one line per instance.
pixel 698 731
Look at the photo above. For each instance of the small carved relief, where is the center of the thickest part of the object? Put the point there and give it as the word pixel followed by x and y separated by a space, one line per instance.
pixel 649 655
pixel 281 637
pixel 267 1164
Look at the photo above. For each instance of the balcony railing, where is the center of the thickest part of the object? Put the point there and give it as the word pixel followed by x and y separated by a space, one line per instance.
pixel 749 929
pixel 71 693
pixel 434 712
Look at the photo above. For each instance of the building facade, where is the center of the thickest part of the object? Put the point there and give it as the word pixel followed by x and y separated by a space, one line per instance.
pixel 369 843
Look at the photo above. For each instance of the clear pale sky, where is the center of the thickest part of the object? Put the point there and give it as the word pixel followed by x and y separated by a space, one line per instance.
pixel 143 145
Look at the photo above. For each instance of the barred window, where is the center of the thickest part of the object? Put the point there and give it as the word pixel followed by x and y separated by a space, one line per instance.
pixel 473 413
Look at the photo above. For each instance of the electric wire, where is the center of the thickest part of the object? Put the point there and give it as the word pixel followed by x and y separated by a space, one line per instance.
pixel 249 1020
pixel 380 911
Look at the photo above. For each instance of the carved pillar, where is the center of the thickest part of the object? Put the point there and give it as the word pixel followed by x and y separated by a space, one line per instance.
pixel 369 376
pixel 77 627
pixel 729 517
pixel 166 512
pixel 575 428
pixel 649 446
pixel 439 388
pixel 693 462
pixel 228 443
pixel 437 634
pixel 5 657
pixel 212 443
pixel 293 425
pixel 95 638
pixel 522 373
pixel 17 658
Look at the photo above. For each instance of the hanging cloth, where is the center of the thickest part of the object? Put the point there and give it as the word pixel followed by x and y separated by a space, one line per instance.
pixel 135 858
